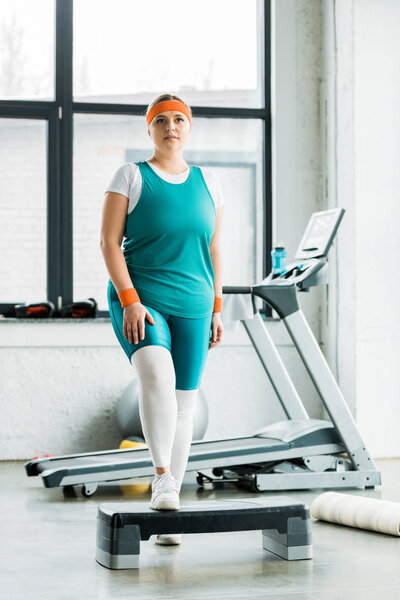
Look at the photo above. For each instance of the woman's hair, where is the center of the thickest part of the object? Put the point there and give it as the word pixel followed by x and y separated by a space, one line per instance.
pixel 167 97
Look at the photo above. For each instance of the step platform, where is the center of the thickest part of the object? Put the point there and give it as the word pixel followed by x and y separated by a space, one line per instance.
pixel 284 522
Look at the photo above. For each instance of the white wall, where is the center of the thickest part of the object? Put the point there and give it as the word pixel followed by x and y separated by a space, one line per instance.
pixel 377 207
pixel 361 50
pixel 338 318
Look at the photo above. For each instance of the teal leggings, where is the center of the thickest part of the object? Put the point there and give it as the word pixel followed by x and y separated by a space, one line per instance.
pixel 188 339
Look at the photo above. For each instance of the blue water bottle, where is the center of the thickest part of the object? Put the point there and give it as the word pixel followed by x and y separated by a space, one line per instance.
pixel 278 256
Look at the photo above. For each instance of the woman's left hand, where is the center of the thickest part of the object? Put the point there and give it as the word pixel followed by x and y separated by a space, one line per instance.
pixel 217 330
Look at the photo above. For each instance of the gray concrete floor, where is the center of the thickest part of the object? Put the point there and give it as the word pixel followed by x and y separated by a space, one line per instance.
pixel 48 550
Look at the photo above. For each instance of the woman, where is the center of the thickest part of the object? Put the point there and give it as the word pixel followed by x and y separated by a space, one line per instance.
pixel 165 286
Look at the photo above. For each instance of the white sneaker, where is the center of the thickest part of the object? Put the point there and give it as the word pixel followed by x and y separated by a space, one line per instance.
pixel 169 539
pixel 164 492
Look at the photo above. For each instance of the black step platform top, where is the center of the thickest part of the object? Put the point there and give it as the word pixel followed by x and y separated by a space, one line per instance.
pixel 206 516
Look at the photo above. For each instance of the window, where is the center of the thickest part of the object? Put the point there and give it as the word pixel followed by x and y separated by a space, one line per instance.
pixel 26 58
pixel 212 52
pixel 23 188
pixel 93 121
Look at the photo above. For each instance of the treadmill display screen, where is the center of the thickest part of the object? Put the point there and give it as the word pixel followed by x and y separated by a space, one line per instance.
pixel 319 234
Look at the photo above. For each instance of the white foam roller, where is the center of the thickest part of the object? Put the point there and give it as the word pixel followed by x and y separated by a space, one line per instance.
pixel 366 513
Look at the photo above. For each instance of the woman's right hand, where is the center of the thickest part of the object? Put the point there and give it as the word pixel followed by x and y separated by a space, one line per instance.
pixel 134 318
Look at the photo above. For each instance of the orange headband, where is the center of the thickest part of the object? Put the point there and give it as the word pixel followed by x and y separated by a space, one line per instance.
pixel 168 105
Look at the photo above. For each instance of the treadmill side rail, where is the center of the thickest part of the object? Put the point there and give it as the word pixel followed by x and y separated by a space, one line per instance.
pixel 329 391
pixel 310 480
pixel 274 367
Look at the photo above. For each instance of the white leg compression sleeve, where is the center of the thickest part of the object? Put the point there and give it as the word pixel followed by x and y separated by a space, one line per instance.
pixel 166 414
pixel 157 401
pixel 183 435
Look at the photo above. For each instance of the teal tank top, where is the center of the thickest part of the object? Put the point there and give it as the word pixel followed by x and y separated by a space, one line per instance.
pixel 166 249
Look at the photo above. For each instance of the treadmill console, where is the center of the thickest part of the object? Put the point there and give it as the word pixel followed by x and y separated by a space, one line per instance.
pixel 310 267
pixel 319 234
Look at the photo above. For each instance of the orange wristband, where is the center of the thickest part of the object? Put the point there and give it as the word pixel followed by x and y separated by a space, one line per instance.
pixel 217 304
pixel 128 297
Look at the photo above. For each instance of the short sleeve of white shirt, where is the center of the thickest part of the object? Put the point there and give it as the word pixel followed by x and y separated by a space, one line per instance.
pixel 121 181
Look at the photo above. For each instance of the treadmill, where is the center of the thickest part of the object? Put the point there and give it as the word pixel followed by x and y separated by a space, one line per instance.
pixel 296 453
